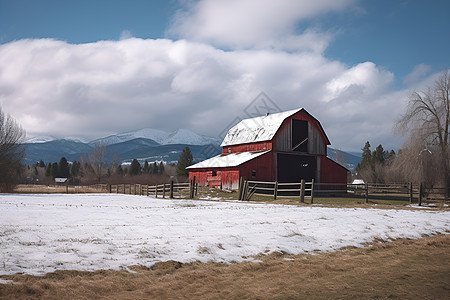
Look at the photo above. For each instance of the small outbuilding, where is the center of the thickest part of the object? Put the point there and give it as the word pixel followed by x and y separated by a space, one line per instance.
pixel 284 147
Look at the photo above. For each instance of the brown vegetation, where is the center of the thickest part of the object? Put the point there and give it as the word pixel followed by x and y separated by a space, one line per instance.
pixel 404 269
pixel 11 151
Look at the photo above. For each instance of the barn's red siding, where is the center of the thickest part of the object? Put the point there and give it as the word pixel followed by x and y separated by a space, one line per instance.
pixel 263 165
pixel 227 178
pixel 332 172
pixel 260 146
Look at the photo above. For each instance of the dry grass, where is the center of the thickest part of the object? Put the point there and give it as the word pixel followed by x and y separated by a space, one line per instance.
pixel 403 269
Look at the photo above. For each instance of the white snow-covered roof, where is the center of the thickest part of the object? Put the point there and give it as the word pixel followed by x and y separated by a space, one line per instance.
pixel 228 160
pixel 358 181
pixel 256 129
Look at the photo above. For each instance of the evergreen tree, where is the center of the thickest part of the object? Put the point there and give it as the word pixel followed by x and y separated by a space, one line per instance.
pixel 35 171
pixel 185 161
pixel 155 168
pixel 378 156
pixel 75 169
pixel 63 168
pixel 120 170
pixel 366 158
pixel 48 171
pixel 146 168
pixel 41 164
pixel 390 156
pixel 135 167
pixel 161 168
pixel 54 171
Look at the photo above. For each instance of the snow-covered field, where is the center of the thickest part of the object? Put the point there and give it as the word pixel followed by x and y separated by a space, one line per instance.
pixel 43 233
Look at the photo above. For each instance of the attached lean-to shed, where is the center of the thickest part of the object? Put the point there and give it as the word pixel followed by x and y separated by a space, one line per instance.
pixel 284 147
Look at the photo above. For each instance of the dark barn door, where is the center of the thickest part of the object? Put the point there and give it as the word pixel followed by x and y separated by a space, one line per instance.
pixel 293 167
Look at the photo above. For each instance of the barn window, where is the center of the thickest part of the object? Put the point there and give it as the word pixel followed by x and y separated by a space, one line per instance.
pixel 229 150
pixel 253 174
pixel 214 173
pixel 265 146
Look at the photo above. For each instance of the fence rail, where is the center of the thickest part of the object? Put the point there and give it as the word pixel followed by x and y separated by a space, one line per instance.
pixel 411 192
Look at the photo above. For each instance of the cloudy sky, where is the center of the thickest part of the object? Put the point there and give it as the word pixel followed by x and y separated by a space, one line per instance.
pixel 95 68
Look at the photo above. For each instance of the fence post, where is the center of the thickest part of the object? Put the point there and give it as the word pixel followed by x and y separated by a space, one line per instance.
pixel 244 192
pixel 302 191
pixel 312 191
pixel 192 188
pixel 275 191
pixel 420 194
pixel 156 190
pixel 367 192
pixel 241 187
pixel 410 192
pixel 164 190
pixel 171 189
pixel 196 189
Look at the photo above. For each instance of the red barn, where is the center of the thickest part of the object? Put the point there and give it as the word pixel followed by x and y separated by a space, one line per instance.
pixel 283 147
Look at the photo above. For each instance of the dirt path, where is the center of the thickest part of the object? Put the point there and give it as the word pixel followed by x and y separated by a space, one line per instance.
pixel 403 269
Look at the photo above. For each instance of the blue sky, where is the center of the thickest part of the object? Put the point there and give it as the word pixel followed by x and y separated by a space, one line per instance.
pixel 350 63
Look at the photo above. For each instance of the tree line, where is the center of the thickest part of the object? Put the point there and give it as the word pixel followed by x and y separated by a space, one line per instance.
pixel 85 171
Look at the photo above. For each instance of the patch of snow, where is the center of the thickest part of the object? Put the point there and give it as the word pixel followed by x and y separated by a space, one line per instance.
pixel 44 233
pixel 5 281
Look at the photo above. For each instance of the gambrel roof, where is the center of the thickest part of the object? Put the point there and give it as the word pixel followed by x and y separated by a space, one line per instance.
pixel 261 129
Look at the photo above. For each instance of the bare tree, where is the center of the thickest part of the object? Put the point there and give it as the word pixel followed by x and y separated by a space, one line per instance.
pixel 427 118
pixel 96 158
pixel 11 151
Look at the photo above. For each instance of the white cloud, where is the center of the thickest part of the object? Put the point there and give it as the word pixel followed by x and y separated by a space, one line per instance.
pixel 419 71
pixel 241 24
pixel 91 90
pixel 125 34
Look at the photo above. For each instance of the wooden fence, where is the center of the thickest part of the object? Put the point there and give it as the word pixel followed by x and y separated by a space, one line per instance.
pixel 170 190
pixel 310 190
pixel 277 189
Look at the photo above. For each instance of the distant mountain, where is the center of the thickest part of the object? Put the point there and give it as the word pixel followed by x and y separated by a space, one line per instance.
pixel 44 139
pixel 184 136
pixel 147 133
pixel 179 136
pixel 41 139
pixel 140 148
pixel 346 159
pixel 52 151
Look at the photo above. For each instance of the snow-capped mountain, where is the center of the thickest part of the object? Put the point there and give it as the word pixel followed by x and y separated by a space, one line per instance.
pixel 147 133
pixel 45 139
pixel 179 136
pixel 185 136
pixel 40 139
